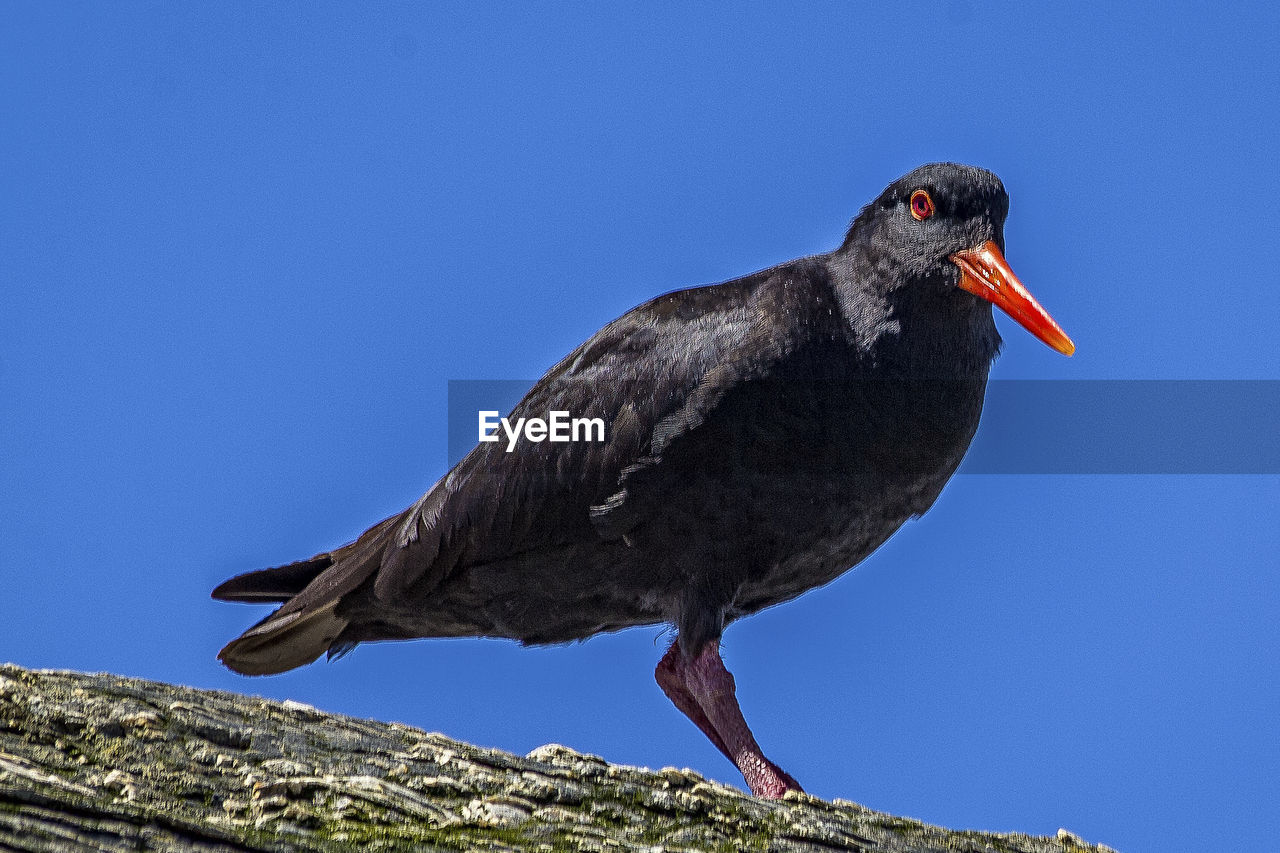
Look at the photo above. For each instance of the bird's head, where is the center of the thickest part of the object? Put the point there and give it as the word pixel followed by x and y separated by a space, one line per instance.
pixel 943 226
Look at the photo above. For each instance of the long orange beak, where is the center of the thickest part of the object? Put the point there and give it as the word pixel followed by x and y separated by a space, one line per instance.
pixel 984 272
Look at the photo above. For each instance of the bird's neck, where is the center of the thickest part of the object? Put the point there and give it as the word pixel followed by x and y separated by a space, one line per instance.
pixel 911 328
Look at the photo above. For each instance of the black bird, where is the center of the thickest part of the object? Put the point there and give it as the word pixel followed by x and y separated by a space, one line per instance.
pixel 764 435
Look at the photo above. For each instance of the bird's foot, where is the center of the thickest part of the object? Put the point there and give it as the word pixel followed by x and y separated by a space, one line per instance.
pixel 768 780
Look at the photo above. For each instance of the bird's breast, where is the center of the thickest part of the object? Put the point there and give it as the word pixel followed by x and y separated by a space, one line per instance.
pixel 804 481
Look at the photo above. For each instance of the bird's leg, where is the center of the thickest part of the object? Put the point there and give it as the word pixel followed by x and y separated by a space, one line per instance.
pixel 714 709
pixel 713 686
pixel 670 678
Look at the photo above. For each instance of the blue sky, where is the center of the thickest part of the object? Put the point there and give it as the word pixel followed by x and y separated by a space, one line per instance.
pixel 244 250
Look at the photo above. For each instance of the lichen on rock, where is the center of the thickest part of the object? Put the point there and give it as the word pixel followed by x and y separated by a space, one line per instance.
pixel 101 762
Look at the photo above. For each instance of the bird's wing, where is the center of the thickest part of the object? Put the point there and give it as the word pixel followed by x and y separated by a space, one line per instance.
pixel 652 375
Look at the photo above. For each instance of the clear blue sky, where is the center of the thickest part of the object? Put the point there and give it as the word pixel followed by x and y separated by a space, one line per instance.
pixel 243 249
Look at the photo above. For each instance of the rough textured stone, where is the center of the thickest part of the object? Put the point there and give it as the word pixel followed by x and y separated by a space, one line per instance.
pixel 99 762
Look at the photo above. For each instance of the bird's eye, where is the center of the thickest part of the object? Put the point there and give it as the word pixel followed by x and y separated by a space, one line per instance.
pixel 921 205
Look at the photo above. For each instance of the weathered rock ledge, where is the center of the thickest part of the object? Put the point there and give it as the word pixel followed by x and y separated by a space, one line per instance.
pixel 99 762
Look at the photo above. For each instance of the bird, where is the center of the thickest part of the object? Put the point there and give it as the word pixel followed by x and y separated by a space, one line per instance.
pixel 763 436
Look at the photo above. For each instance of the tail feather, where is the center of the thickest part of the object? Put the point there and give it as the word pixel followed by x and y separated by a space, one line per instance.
pixel 307 624
pixel 276 584
pixel 283 641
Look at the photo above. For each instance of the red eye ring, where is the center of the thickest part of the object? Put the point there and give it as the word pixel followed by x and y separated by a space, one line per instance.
pixel 921 205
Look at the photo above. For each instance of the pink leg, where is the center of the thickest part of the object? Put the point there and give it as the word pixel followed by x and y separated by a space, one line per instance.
pixel 670 678
pixel 704 690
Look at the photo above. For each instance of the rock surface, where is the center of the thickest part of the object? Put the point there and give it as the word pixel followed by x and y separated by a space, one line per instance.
pixel 100 762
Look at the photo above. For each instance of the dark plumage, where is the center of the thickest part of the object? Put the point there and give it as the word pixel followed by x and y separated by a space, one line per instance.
pixel 764 436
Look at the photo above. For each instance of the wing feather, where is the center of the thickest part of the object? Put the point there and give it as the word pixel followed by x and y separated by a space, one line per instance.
pixel 654 375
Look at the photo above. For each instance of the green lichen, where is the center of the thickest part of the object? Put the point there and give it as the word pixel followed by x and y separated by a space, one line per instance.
pixel 206 770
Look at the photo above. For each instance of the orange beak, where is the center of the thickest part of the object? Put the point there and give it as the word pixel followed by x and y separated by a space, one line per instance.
pixel 984 272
